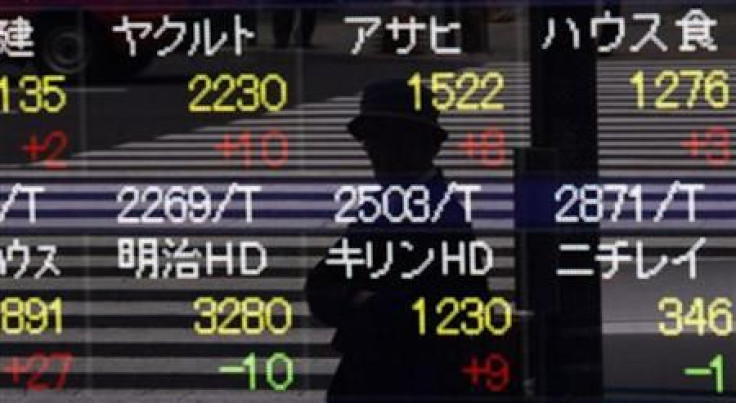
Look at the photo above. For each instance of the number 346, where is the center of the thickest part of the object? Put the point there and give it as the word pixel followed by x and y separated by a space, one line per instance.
pixel 717 318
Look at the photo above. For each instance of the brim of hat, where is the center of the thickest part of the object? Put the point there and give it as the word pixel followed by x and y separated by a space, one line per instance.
pixel 360 123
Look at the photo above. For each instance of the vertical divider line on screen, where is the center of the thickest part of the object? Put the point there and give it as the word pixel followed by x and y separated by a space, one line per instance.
pixel 525 335
pixel 303 247
pixel 83 145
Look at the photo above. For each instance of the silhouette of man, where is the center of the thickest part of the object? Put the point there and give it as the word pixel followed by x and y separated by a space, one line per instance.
pixel 384 357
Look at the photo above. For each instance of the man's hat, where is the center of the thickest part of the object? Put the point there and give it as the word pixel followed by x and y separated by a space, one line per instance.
pixel 395 99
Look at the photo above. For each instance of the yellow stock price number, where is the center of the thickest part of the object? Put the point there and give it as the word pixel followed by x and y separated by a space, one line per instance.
pixel 459 91
pixel 36 94
pixel 717 318
pixel 478 316
pixel 232 316
pixel 709 86
pixel 30 316
pixel 246 92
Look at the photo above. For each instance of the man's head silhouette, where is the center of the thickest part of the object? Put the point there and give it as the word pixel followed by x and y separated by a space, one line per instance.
pixel 401 141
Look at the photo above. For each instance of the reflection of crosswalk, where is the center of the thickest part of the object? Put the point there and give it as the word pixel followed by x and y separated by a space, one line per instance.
pixel 293 219
pixel 635 147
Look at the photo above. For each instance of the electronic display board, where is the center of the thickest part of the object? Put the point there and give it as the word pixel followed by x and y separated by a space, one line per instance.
pixel 366 201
